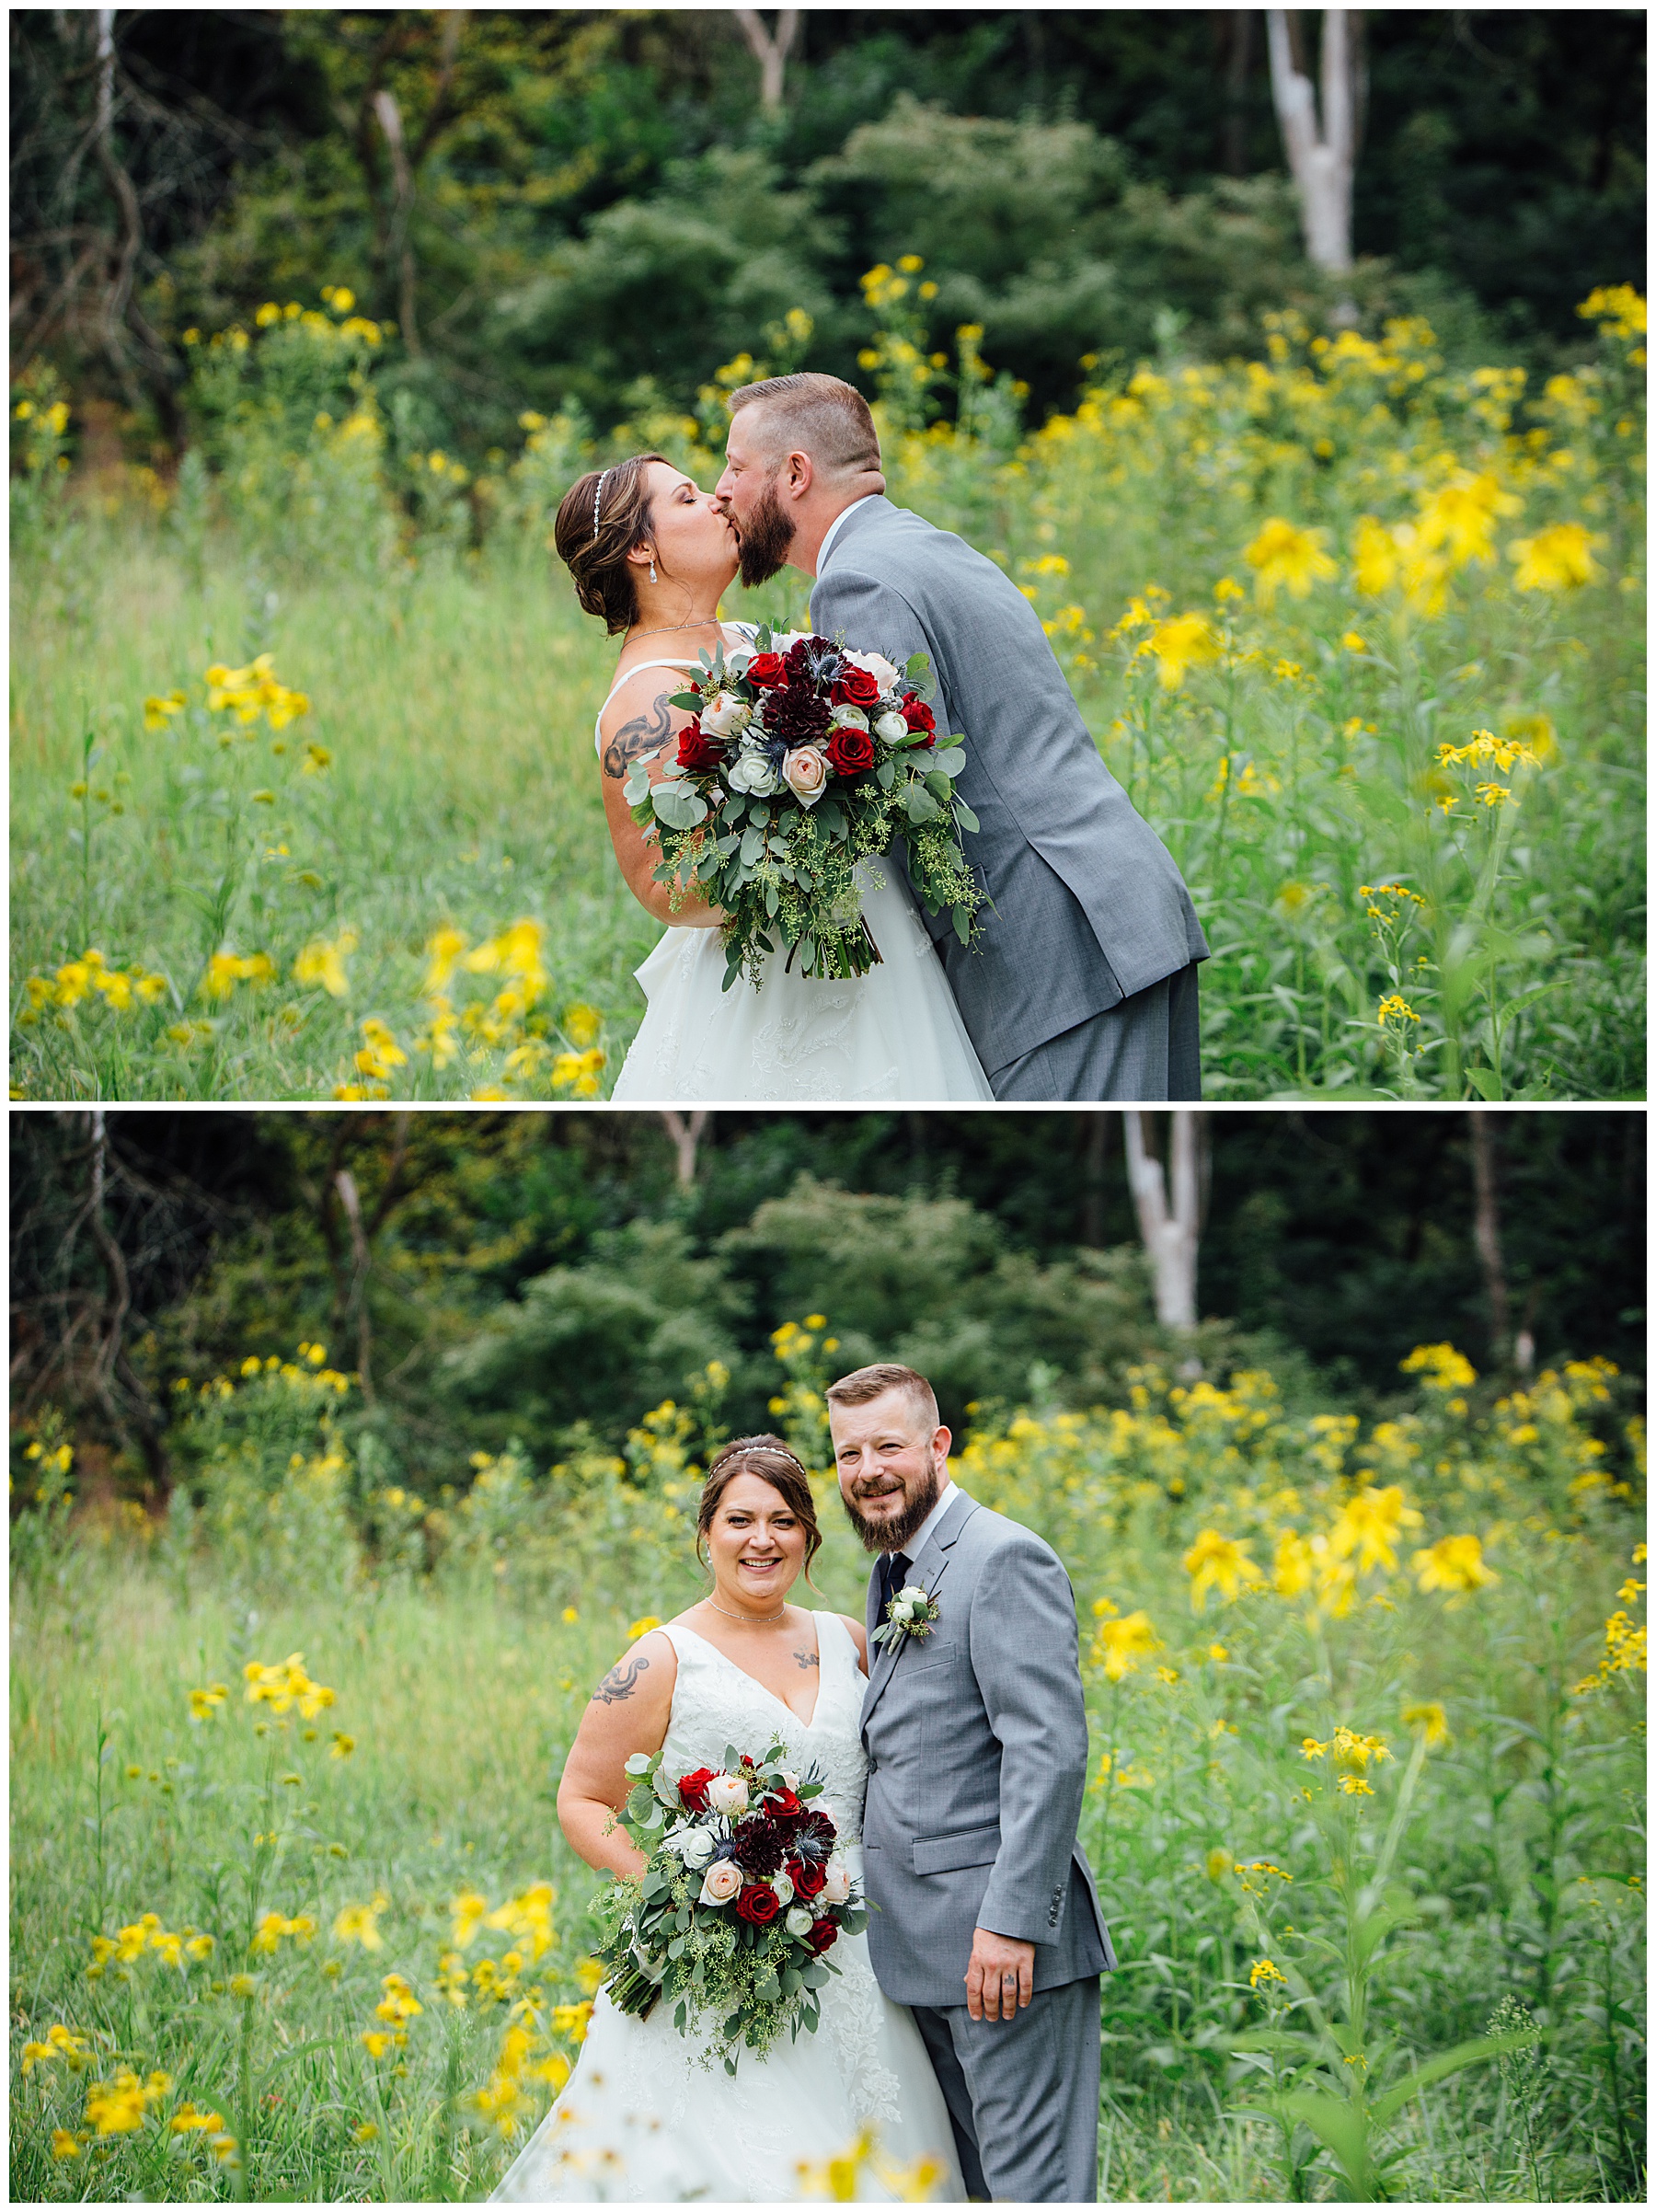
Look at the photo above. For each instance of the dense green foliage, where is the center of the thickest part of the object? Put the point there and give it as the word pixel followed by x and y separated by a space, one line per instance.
pixel 536 1276
pixel 1068 173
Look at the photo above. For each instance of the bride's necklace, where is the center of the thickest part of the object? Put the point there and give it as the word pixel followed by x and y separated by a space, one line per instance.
pixel 754 1620
pixel 662 628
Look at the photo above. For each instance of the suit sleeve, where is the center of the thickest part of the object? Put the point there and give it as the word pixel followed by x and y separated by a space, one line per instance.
pixel 1025 1657
pixel 872 616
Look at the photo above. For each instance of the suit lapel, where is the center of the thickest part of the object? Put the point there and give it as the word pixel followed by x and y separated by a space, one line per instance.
pixel 928 1571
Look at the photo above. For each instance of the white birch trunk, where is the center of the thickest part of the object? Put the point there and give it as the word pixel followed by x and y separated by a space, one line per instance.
pixel 771 54
pixel 1323 160
pixel 1171 1233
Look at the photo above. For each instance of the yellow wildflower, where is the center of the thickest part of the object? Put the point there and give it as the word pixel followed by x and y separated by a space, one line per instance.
pixel 1282 556
pixel 1217 1562
pixel 1453 1563
pixel 1431 1720
pixel 1263 1973
pixel 1119 1646
pixel 322 964
pixel 1559 559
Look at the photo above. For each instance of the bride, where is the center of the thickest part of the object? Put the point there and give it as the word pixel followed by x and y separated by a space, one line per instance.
pixel 651 556
pixel 645 2117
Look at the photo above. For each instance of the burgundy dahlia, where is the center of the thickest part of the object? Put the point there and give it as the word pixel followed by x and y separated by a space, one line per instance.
pixel 795 716
pixel 758 1847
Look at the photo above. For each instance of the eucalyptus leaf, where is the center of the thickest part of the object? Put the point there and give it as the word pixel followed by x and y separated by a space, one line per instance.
pixel 679 807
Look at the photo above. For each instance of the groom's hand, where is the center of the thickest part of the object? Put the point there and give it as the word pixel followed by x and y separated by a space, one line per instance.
pixel 1000 1974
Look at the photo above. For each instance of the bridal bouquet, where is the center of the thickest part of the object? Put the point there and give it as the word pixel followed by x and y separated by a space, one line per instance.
pixel 741 1899
pixel 802 759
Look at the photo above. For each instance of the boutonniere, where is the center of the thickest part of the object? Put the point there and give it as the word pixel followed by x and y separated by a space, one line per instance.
pixel 912 1612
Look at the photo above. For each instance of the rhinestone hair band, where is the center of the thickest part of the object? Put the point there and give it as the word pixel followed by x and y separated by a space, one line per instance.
pixel 597 495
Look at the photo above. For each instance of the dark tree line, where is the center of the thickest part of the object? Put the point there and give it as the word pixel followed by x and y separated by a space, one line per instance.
pixel 170 165
pixel 146 1245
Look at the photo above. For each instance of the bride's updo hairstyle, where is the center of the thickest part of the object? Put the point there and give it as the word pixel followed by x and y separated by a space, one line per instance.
pixel 602 517
pixel 770 1459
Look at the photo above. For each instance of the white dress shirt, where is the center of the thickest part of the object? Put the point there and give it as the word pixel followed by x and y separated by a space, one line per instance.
pixel 833 525
pixel 917 1542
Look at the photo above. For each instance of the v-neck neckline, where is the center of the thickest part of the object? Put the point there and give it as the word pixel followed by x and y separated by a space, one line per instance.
pixel 787 1709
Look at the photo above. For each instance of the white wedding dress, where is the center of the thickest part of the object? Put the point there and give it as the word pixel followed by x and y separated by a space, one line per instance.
pixel 893 1034
pixel 647 2117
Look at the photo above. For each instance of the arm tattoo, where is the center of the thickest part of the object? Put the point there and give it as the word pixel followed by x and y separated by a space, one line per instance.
pixel 620 1682
pixel 643 732
pixel 807 1659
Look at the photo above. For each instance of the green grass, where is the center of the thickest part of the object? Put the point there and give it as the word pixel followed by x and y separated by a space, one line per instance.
pixel 1502 1860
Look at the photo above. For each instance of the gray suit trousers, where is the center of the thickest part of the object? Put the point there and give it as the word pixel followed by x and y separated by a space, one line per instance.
pixel 1148 1046
pixel 1022 2095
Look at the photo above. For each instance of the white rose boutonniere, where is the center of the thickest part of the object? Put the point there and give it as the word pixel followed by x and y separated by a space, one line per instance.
pixel 912 1612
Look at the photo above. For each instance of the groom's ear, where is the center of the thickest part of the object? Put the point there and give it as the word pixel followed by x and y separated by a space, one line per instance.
pixel 800 472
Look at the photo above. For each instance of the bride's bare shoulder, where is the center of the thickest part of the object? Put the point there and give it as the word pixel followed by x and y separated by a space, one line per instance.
pixel 858 1633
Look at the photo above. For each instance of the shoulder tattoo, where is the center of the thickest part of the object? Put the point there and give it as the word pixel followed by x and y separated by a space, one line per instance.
pixel 640 735
pixel 620 1682
pixel 807 1659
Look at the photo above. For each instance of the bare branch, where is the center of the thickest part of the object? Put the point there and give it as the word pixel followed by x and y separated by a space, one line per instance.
pixel 770 53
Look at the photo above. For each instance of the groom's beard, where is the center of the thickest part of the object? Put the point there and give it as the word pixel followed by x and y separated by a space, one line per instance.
pixel 765 538
pixel 894 1535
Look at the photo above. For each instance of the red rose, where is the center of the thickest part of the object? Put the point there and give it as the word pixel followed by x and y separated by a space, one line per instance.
pixel 782 1803
pixel 692 1788
pixel 919 716
pixel 759 1904
pixel 850 751
pixel 823 1934
pixel 807 1879
pixel 857 687
pixel 696 749
pixel 766 668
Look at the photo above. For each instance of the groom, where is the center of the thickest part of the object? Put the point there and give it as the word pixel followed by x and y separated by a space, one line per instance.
pixel 1083 985
pixel 987 1924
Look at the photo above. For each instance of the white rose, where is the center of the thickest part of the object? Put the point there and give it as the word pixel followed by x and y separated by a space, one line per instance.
pixel 805 771
pixel 845 717
pixel 799 1922
pixel 753 775
pixel 837 1885
pixel 726 716
pixel 879 667
pixel 727 1793
pixel 784 1889
pixel 720 1882
pixel 913 1601
pixel 891 727
pixel 790 1782
pixel 696 1846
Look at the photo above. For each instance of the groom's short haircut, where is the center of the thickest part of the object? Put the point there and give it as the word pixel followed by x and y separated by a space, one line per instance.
pixel 817 415
pixel 869 1383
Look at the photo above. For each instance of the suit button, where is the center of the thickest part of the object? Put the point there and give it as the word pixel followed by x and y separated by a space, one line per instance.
pixel 873 1766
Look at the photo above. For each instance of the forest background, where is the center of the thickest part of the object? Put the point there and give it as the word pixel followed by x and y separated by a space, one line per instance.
pixel 541 1278
pixel 516 190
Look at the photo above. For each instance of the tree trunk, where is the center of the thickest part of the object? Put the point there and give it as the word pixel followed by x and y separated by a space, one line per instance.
pixel 111 1365
pixel 771 54
pixel 1234 28
pixel 1322 159
pixel 1171 1233
pixel 685 1135
pixel 400 245
pixel 1486 1232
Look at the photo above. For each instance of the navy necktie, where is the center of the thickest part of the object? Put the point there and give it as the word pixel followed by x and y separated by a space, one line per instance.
pixel 893 1572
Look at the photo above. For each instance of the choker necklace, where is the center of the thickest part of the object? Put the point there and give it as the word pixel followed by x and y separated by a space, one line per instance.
pixel 756 1619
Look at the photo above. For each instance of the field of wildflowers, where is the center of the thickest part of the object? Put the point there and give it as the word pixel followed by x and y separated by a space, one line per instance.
pixel 303 804
pixel 292 1916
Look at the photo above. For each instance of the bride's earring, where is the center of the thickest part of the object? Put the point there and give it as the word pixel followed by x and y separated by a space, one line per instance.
pixel 652 573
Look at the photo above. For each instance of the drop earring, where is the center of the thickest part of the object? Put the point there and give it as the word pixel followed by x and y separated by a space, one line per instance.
pixel 652 573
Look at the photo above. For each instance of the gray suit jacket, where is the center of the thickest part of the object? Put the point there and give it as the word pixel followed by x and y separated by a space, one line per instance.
pixel 977 1764
pixel 1088 906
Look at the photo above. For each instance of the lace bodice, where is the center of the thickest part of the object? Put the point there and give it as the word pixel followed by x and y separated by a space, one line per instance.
pixel 715 1704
